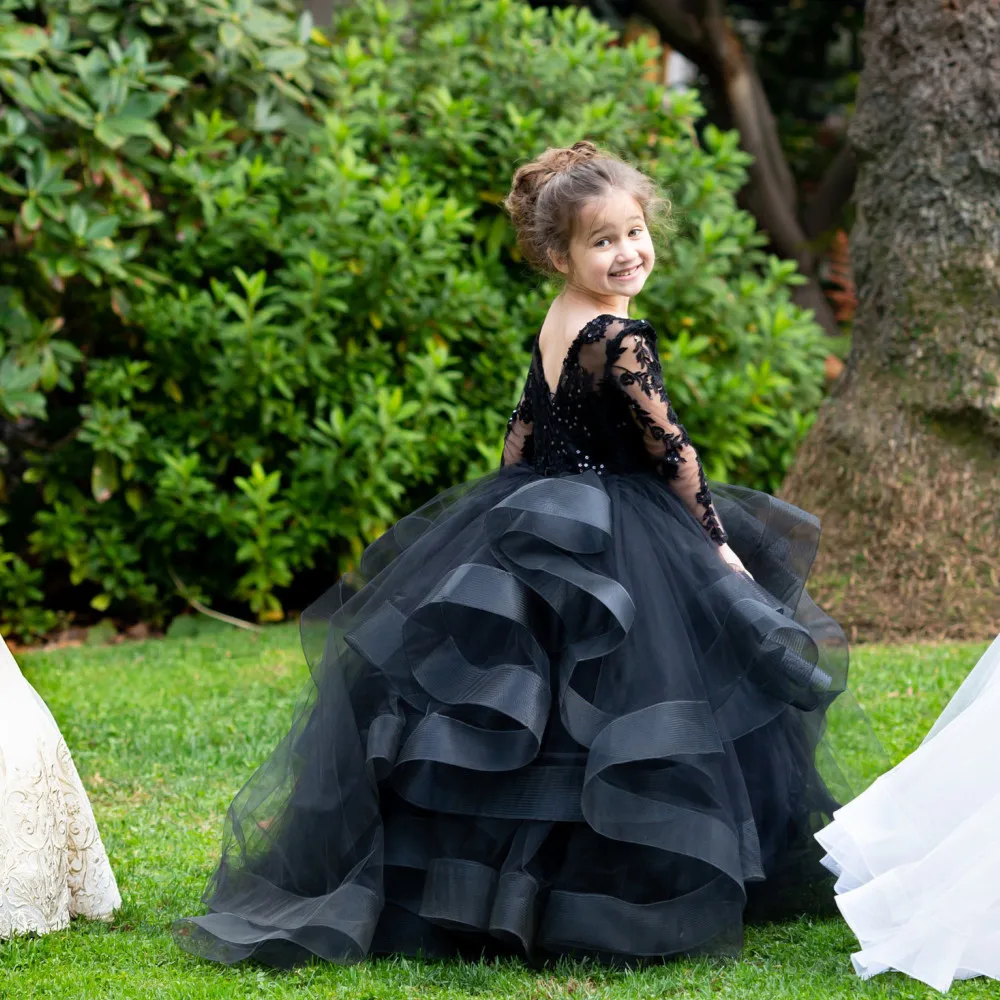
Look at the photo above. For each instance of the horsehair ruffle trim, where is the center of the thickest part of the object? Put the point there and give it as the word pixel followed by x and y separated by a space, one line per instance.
pixel 462 735
pixel 571 517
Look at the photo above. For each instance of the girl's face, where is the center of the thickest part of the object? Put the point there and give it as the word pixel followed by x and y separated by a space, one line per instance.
pixel 610 253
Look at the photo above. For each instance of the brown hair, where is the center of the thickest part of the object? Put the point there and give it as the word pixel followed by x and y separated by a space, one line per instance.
pixel 546 195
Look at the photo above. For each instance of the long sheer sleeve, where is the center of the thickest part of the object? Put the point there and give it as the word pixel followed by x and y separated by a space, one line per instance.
pixel 518 442
pixel 634 367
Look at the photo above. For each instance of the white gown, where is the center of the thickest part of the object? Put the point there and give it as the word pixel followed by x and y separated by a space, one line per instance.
pixel 53 865
pixel 917 855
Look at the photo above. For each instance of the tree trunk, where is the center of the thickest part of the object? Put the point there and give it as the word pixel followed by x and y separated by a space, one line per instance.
pixel 702 33
pixel 903 463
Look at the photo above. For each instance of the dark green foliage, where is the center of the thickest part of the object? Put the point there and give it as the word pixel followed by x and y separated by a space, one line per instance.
pixel 257 294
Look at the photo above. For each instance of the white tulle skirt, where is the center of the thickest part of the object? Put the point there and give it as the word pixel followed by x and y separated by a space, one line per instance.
pixel 53 865
pixel 918 855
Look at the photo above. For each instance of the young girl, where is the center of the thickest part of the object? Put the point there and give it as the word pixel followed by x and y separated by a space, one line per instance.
pixel 553 712
pixel 52 863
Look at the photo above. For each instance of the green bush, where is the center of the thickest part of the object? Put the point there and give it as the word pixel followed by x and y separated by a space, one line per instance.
pixel 258 297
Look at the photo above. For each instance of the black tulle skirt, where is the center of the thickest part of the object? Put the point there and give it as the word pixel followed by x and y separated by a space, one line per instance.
pixel 544 718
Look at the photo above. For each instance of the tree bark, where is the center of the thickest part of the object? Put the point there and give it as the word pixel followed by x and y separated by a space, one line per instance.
pixel 903 463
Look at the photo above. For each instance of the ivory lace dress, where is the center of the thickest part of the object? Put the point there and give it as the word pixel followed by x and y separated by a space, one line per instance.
pixel 53 865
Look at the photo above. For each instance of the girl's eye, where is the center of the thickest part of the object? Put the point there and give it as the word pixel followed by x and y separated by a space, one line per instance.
pixel 600 244
pixel 636 232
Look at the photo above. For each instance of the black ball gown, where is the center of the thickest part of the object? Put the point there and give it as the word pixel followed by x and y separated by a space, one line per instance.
pixel 545 717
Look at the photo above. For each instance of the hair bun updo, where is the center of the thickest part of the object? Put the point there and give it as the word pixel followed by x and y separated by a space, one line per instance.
pixel 529 179
pixel 547 193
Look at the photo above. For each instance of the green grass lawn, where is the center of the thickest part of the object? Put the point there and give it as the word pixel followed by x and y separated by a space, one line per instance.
pixel 164 733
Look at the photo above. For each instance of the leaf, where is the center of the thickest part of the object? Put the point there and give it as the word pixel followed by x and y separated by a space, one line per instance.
pixel 102 22
pixel 76 220
pixel 100 603
pixel 22 41
pixel 304 28
pixel 102 229
pixel 11 186
pixel 265 118
pixel 264 25
pixel 48 370
pixel 144 104
pixel 57 188
pixel 18 395
pixel 53 208
pixel 104 477
pixel 120 305
pixel 354 54
pixel 230 35
pixel 285 60
pixel 134 498
pixel 113 132
pixel 107 134
pixel 23 93
pixel 170 83
pixel 31 214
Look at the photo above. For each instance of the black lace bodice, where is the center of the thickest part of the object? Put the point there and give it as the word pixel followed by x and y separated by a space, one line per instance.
pixel 609 413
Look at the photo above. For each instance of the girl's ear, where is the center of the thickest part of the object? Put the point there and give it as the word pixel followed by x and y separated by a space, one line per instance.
pixel 559 262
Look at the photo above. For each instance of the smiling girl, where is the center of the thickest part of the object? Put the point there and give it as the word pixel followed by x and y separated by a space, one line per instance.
pixel 553 712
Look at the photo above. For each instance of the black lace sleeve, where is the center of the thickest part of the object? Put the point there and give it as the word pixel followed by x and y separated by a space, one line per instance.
pixel 518 442
pixel 634 367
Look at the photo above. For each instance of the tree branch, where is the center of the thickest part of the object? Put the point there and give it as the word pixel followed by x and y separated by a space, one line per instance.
pixel 770 193
pixel 776 160
pixel 202 609
pixel 700 31
pixel 719 53
pixel 811 296
pixel 826 205
pixel 678 27
pixel 714 19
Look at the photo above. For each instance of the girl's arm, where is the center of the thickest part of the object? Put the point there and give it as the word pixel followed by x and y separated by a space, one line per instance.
pixel 518 442
pixel 635 369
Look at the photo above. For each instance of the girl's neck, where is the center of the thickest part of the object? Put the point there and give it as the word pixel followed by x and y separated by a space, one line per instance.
pixel 579 299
